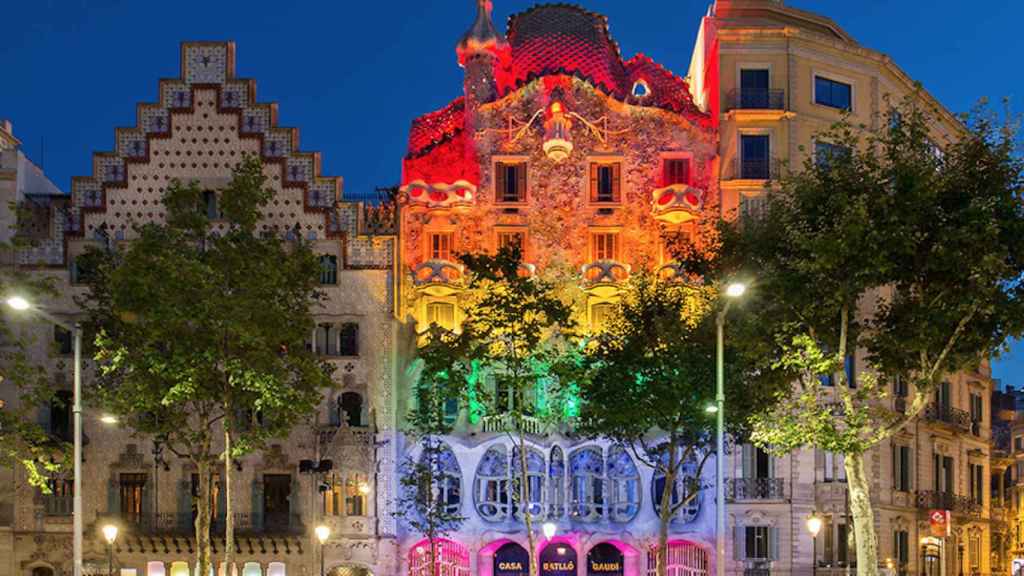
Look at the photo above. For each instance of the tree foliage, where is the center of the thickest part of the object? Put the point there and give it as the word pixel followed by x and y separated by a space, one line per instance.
pixel 201 330
pixel 651 379
pixel 884 259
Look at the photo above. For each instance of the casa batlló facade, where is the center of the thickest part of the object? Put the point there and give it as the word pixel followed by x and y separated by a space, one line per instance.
pixel 581 156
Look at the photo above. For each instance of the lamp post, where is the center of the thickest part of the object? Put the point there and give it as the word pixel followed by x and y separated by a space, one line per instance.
pixel 732 291
pixel 814 526
pixel 549 529
pixel 110 533
pixel 322 534
pixel 20 304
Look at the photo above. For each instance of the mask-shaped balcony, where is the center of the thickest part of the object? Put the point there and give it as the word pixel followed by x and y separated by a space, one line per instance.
pixel 677 203
pixel 437 277
pixel 604 277
pixel 458 196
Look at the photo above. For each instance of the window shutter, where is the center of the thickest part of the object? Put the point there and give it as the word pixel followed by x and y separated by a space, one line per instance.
pixel 221 500
pixel 257 503
pixel 895 455
pixel 499 182
pixel 184 504
pixel 594 170
pixel 739 543
pixel 666 172
pixel 616 181
pixel 294 499
pixel 748 461
pixel 147 496
pixel 773 543
pixel 684 169
pixel 521 182
pixel 113 496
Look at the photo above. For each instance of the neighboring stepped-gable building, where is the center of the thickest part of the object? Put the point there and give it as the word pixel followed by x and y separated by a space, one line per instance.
pixel 581 157
pixel 199 127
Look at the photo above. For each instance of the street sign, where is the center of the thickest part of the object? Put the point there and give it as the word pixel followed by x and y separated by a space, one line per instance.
pixel 940 522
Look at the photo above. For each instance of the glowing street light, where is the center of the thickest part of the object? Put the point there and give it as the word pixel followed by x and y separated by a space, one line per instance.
pixel 549 529
pixel 814 526
pixel 110 534
pixel 22 304
pixel 322 534
pixel 732 291
pixel 711 409
pixel 108 419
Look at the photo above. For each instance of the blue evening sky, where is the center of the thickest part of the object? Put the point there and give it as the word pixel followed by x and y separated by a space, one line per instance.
pixel 352 74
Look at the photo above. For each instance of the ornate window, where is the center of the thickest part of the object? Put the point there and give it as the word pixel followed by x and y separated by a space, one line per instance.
pixel 623 485
pixel 556 484
pixel 685 483
pixel 450 484
pixel 328 269
pixel 442 314
pixel 535 477
pixel 493 500
pixel 587 496
pixel 350 409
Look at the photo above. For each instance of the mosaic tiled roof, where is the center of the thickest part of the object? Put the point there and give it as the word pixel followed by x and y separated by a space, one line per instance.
pixel 436 127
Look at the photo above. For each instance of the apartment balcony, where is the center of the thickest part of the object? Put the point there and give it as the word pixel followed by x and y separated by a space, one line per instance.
pixel 173 523
pixel 58 505
pixel 437 277
pixel 746 169
pixel 935 500
pixel 497 423
pixel 459 196
pixel 960 419
pixel 604 277
pixel 756 99
pixel 748 489
pixel 677 203
pixel 354 436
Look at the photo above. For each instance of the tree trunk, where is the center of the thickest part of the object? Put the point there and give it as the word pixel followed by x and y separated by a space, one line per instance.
pixel 665 512
pixel 203 518
pixel 433 557
pixel 524 503
pixel 229 516
pixel 863 517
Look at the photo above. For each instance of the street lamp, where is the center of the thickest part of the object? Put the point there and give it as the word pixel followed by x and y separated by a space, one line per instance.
pixel 21 304
pixel 549 529
pixel 814 526
pixel 322 534
pixel 732 291
pixel 110 533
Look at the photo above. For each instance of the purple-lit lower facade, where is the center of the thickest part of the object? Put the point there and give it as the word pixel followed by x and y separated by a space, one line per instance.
pixel 600 500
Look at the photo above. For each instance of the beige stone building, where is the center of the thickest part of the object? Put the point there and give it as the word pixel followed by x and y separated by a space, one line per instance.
pixel 774 76
pixel 197 128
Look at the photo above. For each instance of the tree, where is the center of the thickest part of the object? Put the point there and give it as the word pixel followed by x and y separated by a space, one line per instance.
pixel 651 379
pixel 429 501
pixel 884 260
pixel 200 332
pixel 518 331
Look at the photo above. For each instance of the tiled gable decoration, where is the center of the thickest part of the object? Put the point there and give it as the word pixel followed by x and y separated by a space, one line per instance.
pixel 207 95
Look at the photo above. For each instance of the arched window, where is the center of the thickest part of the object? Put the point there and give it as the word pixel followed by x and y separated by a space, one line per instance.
pixel 276 569
pixel 556 484
pixel 587 499
pixel 450 484
pixel 251 569
pixel 42 571
pixel 180 568
pixel 155 568
pixel 492 485
pixel 686 483
pixel 535 477
pixel 350 409
pixel 623 485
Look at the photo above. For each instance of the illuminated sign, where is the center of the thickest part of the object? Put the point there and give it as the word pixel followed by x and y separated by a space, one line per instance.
pixel 511 560
pixel 605 560
pixel 558 559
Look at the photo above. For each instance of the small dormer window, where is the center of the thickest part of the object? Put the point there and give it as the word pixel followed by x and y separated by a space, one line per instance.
pixel 641 89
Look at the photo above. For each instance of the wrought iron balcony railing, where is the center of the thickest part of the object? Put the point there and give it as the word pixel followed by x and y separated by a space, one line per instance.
pixel 756 489
pixel 753 169
pixel 948 415
pixel 506 422
pixel 58 505
pixel 184 524
pixel 936 500
pixel 756 99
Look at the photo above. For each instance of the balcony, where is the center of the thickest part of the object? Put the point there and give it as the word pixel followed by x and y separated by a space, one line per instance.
pixel 346 435
pixel 744 169
pixel 437 277
pixel 955 417
pixel 935 500
pixel 740 489
pixel 172 523
pixel 58 505
pixel 604 277
pixel 497 423
pixel 677 203
pixel 458 196
pixel 756 99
